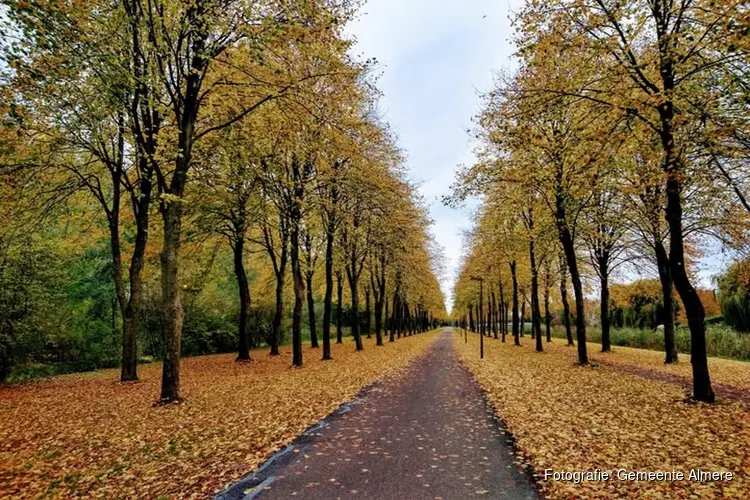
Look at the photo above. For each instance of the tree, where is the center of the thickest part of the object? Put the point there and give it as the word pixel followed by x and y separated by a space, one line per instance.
pixel 604 232
pixel 101 126
pixel 649 73
pixel 312 252
pixel 230 189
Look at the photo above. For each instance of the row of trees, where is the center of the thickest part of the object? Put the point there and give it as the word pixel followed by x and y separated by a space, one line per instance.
pixel 239 120
pixel 622 137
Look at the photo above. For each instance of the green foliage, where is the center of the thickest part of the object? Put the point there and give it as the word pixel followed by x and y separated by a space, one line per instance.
pixel 30 301
pixel 733 296
pixel 58 314
pixel 93 339
pixel 721 340
pixel 643 311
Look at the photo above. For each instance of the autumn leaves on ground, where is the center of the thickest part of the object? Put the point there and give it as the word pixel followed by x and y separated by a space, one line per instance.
pixel 567 417
pixel 89 435
pixel 184 179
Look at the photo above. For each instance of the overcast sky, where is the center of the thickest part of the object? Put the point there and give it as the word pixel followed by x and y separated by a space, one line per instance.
pixel 436 56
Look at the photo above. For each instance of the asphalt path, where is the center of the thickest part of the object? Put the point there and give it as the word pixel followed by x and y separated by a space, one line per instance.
pixel 428 434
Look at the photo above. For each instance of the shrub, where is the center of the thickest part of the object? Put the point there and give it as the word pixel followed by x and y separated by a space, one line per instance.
pixel 721 340
pixel 734 298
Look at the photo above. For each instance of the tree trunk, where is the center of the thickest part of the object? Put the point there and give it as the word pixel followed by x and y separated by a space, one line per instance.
pixel 368 313
pixel 378 284
pixel 387 327
pixel 394 317
pixel 480 315
pixel 403 318
pixel 145 123
pixel 330 222
pixel 407 314
pixel 297 278
pixel 673 167
pixel 522 326
pixel 507 319
pixel 399 317
pixel 339 308
pixel 547 318
pixel 278 316
pixel 490 313
pixel 328 298
pixel 480 311
pixel 311 312
pixel 171 210
pixel 665 278
pixel 702 390
pixel 131 315
pixel 503 314
pixel 604 303
pixel 516 339
pixel 570 256
pixel 389 323
pixel 243 351
pixel 564 296
pixel 379 322
pixel 536 323
pixel 494 315
pixel 130 325
pixel 129 346
pixel 172 313
pixel 351 274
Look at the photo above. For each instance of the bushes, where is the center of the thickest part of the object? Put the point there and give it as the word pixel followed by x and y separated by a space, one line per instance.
pixel 736 310
pixel 59 313
pixel 725 342
pixel 734 297
pixel 721 340
pixel 637 305
pixel 210 326
pixel 205 333
pixel 31 303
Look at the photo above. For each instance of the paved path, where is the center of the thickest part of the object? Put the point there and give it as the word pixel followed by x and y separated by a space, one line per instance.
pixel 427 435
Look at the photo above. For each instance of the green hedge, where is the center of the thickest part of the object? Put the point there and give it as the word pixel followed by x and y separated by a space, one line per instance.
pixel 721 340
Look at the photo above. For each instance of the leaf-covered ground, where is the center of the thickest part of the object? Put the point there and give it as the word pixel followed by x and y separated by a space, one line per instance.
pixel 723 371
pixel 570 418
pixel 88 435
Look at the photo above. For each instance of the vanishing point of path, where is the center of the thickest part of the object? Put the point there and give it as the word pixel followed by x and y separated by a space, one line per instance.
pixel 427 435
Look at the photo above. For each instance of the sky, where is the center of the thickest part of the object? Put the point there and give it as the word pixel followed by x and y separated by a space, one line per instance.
pixel 436 58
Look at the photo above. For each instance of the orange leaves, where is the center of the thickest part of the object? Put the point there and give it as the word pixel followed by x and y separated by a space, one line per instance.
pixel 570 418
pixel 88 435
